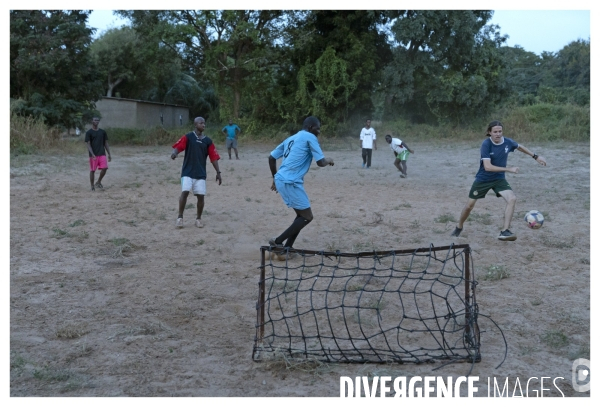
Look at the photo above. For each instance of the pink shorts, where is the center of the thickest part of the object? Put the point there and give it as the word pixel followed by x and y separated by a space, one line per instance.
pixel 98 163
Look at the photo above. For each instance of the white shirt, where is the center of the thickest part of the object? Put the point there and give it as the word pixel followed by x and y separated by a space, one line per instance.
pixel 367 136
pixel 396 146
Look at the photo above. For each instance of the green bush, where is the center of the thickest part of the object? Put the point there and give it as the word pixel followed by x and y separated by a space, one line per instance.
pixel 548 122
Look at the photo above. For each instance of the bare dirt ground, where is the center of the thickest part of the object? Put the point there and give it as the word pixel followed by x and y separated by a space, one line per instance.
pixel 108 298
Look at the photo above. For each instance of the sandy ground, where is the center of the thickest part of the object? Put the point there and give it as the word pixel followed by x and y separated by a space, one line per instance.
pixel 108 298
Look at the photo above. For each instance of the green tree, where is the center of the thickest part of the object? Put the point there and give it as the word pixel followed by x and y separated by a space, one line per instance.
pixel 147 70
pixel 446 67
pixel 325 86
pixel 117 56
pixel 572 68
pixel 353 41
pixel 222 47
pixel 524 73
pixel 51 73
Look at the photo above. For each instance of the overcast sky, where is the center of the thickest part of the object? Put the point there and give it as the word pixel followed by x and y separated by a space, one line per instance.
pixel 534 30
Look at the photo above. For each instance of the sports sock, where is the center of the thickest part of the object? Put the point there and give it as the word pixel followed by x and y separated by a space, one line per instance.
pixel 292 232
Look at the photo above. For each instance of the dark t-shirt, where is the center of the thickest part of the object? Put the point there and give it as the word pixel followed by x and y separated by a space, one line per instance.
pixel 196 152
pixel 498 155
pixel 97 138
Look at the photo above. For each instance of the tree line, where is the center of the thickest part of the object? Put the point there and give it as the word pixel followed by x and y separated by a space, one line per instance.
pixel 275 67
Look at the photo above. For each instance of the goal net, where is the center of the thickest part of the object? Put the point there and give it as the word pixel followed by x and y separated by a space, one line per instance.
pixel 380 306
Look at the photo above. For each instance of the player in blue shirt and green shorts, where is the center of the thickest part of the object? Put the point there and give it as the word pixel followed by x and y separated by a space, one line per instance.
pixel 298 152
pixel 491 175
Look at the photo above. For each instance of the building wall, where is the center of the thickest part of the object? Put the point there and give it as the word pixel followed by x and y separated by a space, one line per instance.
pixel 127 113
pixel 149 115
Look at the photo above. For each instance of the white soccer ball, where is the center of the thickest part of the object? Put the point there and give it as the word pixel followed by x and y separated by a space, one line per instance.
pixel 534 219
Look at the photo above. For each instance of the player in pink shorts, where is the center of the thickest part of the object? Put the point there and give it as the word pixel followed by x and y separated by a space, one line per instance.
pixel 97 145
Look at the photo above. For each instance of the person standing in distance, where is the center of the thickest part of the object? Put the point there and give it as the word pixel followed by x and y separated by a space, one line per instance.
pixel 232 131
pixel 298 152
pixel 96 140
pixel 197 149
pixel 367 140
pixel 491 175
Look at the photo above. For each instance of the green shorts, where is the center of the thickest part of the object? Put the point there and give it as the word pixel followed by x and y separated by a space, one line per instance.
pixel 479 189
pixel 403 155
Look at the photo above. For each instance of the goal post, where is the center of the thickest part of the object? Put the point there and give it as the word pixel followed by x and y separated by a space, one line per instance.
pixel 415 305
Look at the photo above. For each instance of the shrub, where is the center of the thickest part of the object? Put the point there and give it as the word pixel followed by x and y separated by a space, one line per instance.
pixel 29 134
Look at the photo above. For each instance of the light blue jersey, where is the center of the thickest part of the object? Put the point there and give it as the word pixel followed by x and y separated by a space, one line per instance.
pixel 297 152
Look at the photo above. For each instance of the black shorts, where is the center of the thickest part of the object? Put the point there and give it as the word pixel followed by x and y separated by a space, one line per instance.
pixel 479 189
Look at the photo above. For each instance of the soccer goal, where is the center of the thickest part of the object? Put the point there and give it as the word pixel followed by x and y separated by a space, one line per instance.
pixel 381 306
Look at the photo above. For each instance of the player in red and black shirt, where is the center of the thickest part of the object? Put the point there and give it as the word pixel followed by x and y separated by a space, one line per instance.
pixel 197 149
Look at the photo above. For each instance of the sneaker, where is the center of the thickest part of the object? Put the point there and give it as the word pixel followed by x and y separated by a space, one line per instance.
pixel 402 176
pixel 93 189
pixel 179 222
pixel 99 185
pixel 507 235
pixel 278 248
pixel 199 223
pixel 363 165
pixel 368 166
pixel 273 244
pixel 456 232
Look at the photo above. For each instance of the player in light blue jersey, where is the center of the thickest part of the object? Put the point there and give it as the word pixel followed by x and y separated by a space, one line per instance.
pixel 298 152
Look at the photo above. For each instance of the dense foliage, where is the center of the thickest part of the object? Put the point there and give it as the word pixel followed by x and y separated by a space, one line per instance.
pixel 271 68
pixel 51 73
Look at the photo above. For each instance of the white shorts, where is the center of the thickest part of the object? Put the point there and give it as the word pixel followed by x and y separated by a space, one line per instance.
pixel 197 186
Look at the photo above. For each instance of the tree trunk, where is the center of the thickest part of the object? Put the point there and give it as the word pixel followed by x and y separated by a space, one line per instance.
pixel 112 86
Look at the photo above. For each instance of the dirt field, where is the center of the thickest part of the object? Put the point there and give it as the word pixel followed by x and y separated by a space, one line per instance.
pixel 108 298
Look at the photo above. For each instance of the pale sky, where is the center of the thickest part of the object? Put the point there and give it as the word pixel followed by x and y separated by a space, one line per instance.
pixel 534 30
pixel 543 30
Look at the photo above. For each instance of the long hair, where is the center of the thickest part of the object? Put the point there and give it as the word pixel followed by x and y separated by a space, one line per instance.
pixel 493 124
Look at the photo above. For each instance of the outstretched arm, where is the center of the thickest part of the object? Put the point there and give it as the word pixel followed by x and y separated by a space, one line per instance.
pixel 536 157
pixel 178 147
pixel 324 162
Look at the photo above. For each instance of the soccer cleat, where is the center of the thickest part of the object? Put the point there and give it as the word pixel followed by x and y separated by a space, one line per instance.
pixel 402 176
pixel 507 235
pixel 199 223
pixel 93 189
pixel 99 185
pixel 179 222
pixel 456 232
